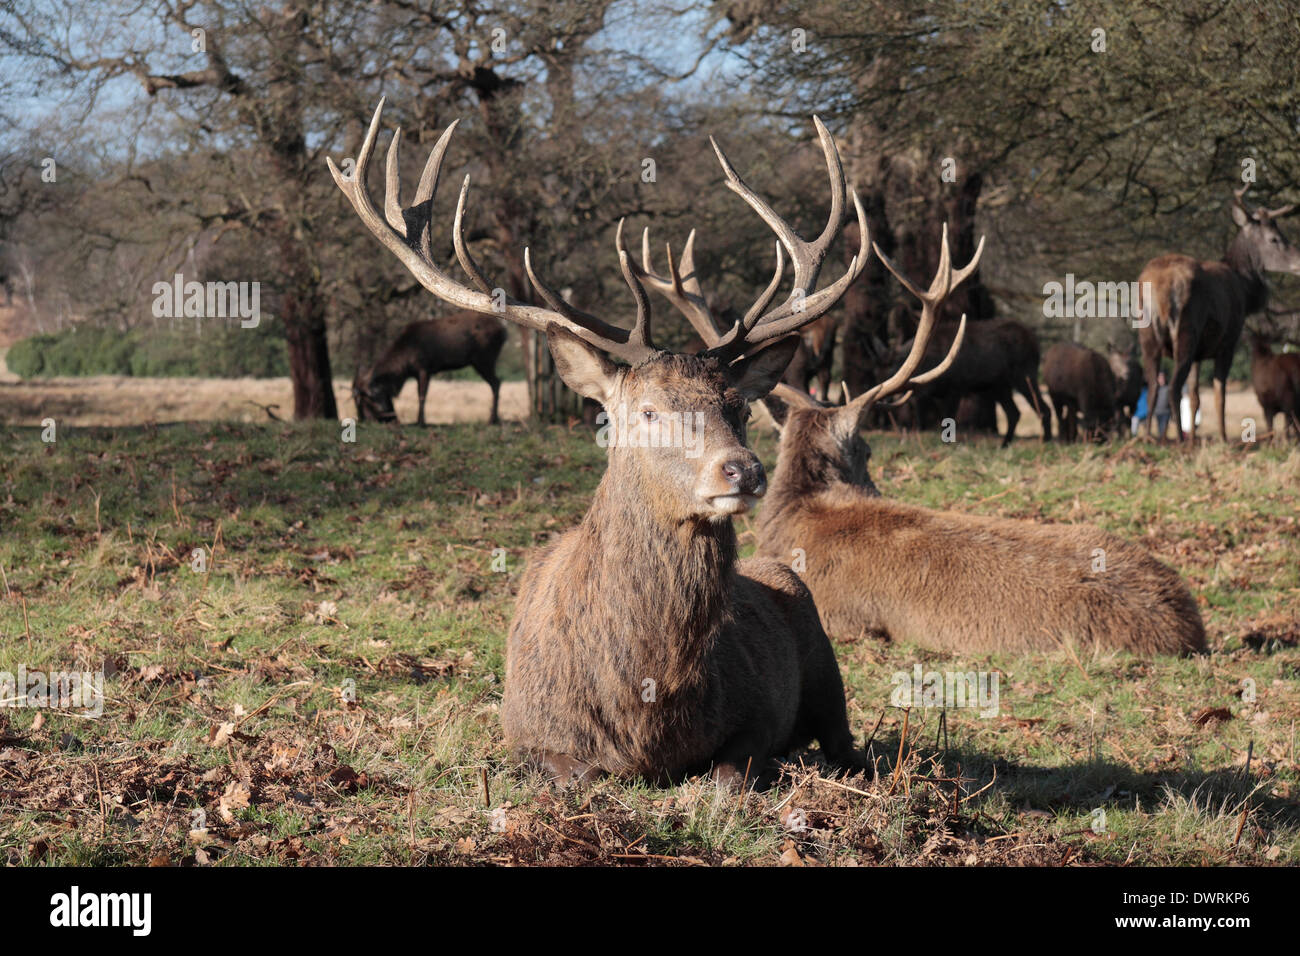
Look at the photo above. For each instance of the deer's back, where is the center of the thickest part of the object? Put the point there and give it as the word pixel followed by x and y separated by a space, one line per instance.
pixel 452 341
pixel 1078 373
pixel 963 583
pixel 991 352
pixel 1206 297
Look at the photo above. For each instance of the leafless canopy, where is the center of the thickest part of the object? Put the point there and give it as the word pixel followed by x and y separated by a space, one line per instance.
pixel 405 230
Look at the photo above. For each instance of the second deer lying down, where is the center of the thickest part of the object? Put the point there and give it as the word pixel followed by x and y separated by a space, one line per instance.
pixel 948 581
pixel 640 644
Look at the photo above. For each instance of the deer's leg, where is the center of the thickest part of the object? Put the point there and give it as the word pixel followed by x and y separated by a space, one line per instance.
pixel 1150 367
pixel 1222 365
pixel 564 770
pixel 828 721
pixel 422 385
pixel 1007 399
pixel 1220 412
pixel 742 760
pixel 1029 389
pixel 1061 407
pixel 1181 372
pixel 489 374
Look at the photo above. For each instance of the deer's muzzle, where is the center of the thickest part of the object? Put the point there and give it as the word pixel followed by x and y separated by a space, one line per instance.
pixel 733 482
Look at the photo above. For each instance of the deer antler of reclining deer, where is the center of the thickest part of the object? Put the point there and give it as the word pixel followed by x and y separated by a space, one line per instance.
pixel 932 299
pixel 405 230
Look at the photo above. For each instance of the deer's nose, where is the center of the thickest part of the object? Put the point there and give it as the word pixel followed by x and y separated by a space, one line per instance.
pixel 744 475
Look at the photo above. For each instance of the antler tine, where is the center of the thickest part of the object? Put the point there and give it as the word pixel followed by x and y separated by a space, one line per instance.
pixel 406 232
pixel 458 240
pixel 931 301
pixel 792 396
pixel 807 257
pixel 553 298
pixel 1281 211
pixel 804 304
pixel 816 304
pixel 685 296
pixel 1239 198
pixel 962 274
pixel 926 377
pixel 393 186
pixel 641 331
pixel 764 300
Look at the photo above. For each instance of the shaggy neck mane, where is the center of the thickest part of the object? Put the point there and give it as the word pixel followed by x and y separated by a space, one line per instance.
pixel 644 572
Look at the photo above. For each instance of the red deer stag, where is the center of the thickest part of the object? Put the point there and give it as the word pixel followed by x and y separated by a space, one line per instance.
pixel 1277 384
pixel 426 348
pixel 1079 382
pixel 1196 310
pixel 952 582
pixel 640 644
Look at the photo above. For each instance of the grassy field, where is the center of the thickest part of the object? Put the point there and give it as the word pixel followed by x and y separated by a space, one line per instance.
pixel 325 689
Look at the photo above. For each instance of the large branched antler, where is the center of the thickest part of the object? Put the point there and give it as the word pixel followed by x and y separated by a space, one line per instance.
pixel 932 299
pixel 805 304
pixel 405 230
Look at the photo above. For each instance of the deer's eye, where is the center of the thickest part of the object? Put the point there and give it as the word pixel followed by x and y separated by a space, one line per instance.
pixel 649 415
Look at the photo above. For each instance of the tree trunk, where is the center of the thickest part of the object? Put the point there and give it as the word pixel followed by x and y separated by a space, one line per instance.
pixel 869 301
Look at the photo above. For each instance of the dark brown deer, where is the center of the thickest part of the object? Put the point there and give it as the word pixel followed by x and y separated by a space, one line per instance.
pixel 815 355
pixel 640 644
pixel 1129 383
pixel 1000 358
pixel 1079 382
pixel 1277 384
pixel 426 348
pixel 1195 310
pixel 951 582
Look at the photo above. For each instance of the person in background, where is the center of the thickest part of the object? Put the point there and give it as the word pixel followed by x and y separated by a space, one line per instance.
pixel 1140 412
pixel 1162 409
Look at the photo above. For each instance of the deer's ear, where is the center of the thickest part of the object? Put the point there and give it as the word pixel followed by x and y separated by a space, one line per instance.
pixel 1239 216
pixel 756 375
pixel 584 368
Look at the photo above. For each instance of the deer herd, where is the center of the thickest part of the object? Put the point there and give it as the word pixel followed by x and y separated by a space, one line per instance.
pixel 642 645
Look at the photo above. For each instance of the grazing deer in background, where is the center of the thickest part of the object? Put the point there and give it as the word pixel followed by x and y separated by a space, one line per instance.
pixel 1277 384
pixel 1196 310
pixel 1129 383
pixel 1079 382
pixel 423 349
pixel 951 582
pixel 640 644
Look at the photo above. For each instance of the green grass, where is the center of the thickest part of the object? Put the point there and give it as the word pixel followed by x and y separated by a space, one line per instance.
pixel 327 689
